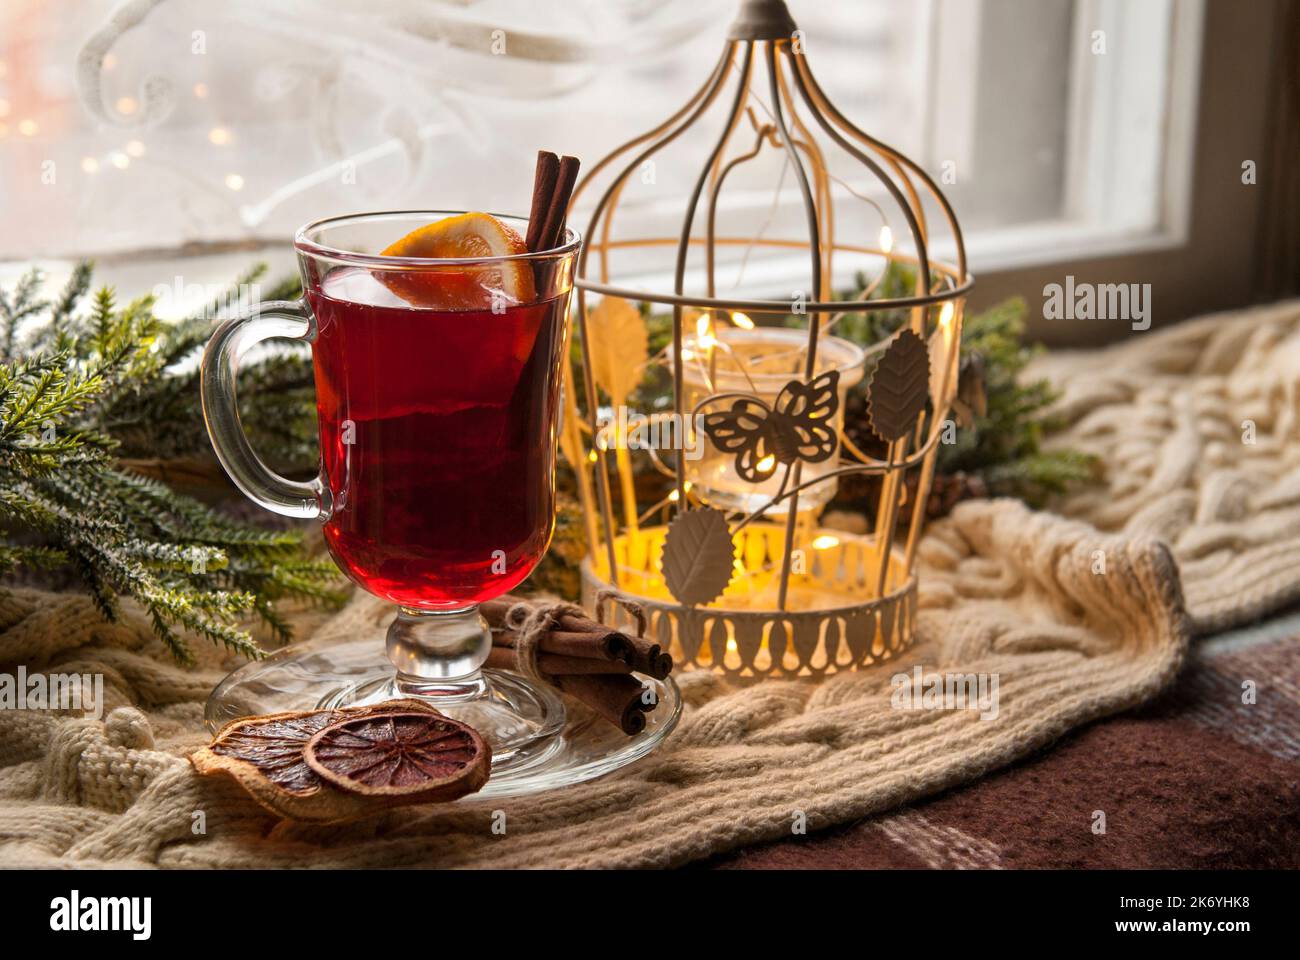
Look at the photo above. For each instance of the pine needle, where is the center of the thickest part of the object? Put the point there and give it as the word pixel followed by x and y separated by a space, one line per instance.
pixel 87 385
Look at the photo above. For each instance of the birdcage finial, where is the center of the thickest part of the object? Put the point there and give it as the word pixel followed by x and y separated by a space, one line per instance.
pixel 762 20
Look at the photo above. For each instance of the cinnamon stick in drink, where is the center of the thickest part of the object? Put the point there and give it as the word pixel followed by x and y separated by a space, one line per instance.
pixel 566 177
pixel 553 183
pixel 544 180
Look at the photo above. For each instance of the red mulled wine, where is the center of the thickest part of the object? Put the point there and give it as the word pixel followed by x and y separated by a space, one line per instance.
pixel 437 440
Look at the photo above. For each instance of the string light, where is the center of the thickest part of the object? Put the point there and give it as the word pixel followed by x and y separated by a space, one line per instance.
pixel 886 239
pixel 110 61
pixel 119 159
pixel 945 315
pixel 127 105
pixel 767 463
pixel 825 542
pixel 234 181
pixel 29 127
pixel 704 333
pixel 741 320
pixel 200 90
pixel 135 148
pixel 219 135
pixel 4 107
pixel 89 165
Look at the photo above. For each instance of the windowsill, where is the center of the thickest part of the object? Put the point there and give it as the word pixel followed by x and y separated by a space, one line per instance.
pixel 992 251
pixel 1058 242
pixel 989 251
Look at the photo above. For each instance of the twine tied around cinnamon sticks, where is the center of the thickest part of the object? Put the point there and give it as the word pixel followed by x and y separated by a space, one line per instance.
pixel 557 643
pixel 530 622
pixel 632 607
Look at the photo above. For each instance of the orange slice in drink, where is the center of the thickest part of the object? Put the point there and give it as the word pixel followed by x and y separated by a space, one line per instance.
pixel 466 236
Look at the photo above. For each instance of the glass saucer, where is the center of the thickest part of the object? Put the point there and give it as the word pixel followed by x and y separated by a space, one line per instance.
pixel 563 744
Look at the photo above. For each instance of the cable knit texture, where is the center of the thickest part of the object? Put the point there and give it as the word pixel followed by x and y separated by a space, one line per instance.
pixel 1196 528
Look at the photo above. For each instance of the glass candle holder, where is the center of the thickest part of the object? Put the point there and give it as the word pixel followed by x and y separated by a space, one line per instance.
pixel 759 362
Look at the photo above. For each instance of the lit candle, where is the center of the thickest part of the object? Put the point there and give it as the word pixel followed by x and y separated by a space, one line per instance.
pixel 757 362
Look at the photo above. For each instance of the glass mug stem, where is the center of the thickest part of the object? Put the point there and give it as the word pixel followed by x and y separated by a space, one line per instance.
pixel 436 653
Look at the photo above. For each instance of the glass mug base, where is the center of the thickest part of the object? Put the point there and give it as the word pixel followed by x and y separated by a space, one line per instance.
pixel 519 719
pixel 539 741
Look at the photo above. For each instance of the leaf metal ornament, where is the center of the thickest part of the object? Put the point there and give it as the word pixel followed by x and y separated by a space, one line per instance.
pixel 618 350
pixel 699 556
pixel 797 427
pixel 620 347
pixel 899 387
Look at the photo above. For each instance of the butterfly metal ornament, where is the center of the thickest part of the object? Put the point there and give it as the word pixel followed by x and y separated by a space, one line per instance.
pixel 797 427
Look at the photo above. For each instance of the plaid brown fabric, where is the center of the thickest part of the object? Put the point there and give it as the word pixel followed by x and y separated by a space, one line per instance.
pixel 1197 779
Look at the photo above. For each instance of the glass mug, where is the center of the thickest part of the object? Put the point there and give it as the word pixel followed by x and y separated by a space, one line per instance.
pixel 438 433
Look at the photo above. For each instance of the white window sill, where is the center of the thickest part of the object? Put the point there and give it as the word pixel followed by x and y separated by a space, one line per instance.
pixel 989 251
pixel 1058 242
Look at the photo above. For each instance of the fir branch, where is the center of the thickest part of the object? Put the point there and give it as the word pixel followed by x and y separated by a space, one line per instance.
pixel 192 334
pixel 86 384
pixel 77 286
pixel 15 308
pixel 24 555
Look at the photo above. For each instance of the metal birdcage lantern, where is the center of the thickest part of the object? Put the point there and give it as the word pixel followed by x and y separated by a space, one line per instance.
pixel 743 579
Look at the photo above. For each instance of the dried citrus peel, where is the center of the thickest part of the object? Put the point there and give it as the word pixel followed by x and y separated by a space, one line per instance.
pixel 413 756
pixel 265 755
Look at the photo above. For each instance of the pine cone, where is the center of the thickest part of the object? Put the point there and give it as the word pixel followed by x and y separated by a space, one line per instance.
pixel 949 489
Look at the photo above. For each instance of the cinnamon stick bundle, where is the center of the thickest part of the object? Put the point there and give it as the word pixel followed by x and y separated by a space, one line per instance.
pixel 577 636
pixel 553 664
pixel 620 700
pixel 587 660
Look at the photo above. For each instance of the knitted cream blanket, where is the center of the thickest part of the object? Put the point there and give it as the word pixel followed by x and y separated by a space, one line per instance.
pixel 1196 528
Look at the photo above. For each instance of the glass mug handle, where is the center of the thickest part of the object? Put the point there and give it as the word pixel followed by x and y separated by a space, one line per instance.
pixel 283 319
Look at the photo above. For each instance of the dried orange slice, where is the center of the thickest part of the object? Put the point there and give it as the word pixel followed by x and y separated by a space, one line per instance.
pixel 414 757
pixel 474 287
pixel 272 746
pixel 265 755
